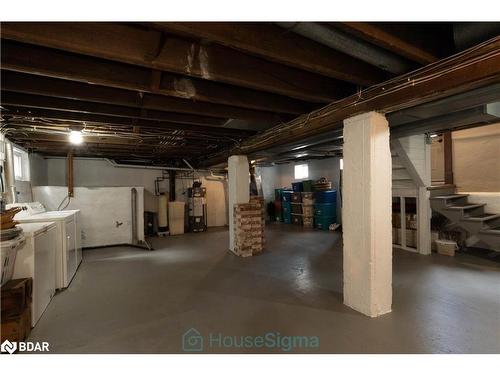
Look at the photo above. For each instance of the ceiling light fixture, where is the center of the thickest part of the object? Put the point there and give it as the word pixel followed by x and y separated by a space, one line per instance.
pixel 75 137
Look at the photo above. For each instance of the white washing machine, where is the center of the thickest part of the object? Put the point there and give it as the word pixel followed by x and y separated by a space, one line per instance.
pixel 36 259
pixel 69 244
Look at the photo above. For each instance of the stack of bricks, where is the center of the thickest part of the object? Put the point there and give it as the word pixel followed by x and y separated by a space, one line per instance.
pixel 249 223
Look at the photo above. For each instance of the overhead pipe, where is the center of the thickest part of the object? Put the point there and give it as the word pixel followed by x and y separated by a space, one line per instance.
pixel 349 45
pixel 133 202
pixel 10 180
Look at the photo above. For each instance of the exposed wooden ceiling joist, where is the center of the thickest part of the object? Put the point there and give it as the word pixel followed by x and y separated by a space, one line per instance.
pixel 45 102
pixel 59 64
pixel 275 44
pixel 127 122
pixel 473 68
pixel 61 88
pixel 153 49
pixel 376 34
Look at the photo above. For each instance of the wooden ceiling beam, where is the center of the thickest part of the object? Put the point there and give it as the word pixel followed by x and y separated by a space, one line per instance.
pixel 99 152
pixel 127 122
pixel 59 64
pixel 61 88
pixel 275 44
pixel 45 102
pixel 152 49
pixel 142 149
pixel 378 35
pixel 468 70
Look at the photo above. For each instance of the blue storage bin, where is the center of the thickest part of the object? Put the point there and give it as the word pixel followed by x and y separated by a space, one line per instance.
pixel 287 196
pixel 287 208
pixel 326 196
pixel 287 218
pixel 325 209
pixel 297 187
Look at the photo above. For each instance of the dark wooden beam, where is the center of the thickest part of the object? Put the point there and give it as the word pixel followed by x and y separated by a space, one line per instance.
pixel 471 69
pixel 61 88
pixel 144 149
pixel 127 122
pixel 59 64
pixel 151 49
pixel 412 47
pixel 448 157
pixel 275 44
pixel 45 102
pixel 100 152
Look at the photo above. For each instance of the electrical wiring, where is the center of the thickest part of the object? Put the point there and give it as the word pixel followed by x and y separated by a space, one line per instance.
pixel 64 199
pixel 364 96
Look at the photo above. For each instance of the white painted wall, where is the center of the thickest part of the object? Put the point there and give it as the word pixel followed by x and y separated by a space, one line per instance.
pixel 476 159
pixel 100 173
pixel 38 170
pixel 106 212
pixel 282 175
pixel 492 200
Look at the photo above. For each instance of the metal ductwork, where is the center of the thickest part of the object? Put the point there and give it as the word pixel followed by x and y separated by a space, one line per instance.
pixel 349 45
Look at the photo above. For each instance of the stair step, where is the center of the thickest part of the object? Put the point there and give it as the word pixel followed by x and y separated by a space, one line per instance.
pixel 398 167
pixel 451 196
pixel 440 187
pixel 465 207
pixel 494 231
pixel 482 217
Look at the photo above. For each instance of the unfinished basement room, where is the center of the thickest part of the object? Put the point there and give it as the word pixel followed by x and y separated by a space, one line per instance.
pixel 250 187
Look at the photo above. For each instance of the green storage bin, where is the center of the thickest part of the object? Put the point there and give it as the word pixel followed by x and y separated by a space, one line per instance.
pixel 307 185
pixel 325 209
pixel 323 222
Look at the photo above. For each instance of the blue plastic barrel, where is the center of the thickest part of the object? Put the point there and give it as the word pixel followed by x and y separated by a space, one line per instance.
pixel 325 196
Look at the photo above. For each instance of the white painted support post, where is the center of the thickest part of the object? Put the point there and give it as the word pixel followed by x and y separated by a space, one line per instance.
pixel 239 188
pixel 402 214
pixel 423 221
pixel 367 208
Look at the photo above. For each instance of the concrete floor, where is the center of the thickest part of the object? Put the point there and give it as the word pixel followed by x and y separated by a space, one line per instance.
pixel 126 300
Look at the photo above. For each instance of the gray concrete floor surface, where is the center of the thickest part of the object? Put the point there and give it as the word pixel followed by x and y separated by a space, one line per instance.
pixel 128 300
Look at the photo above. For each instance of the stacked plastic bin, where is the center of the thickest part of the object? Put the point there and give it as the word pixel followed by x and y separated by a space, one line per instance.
pixel 325 208
pixel 278 207
pixel 287 206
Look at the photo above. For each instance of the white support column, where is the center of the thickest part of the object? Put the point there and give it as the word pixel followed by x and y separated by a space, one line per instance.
pixel 424 221
pixel 367 208
pixel 424 212
pixel 239 188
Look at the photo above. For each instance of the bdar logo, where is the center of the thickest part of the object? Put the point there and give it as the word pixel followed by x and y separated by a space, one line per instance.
pixel 8 347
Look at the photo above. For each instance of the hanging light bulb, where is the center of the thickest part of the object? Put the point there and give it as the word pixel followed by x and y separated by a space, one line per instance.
pixel 75 137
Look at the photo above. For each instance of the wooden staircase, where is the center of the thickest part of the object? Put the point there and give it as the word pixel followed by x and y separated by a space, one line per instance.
pixel 483 228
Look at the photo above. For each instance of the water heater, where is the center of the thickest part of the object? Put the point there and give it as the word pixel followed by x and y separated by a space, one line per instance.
pixel 162 213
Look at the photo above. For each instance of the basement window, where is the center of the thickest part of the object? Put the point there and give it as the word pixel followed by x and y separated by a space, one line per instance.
pixel 301 171
pixel 21 165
